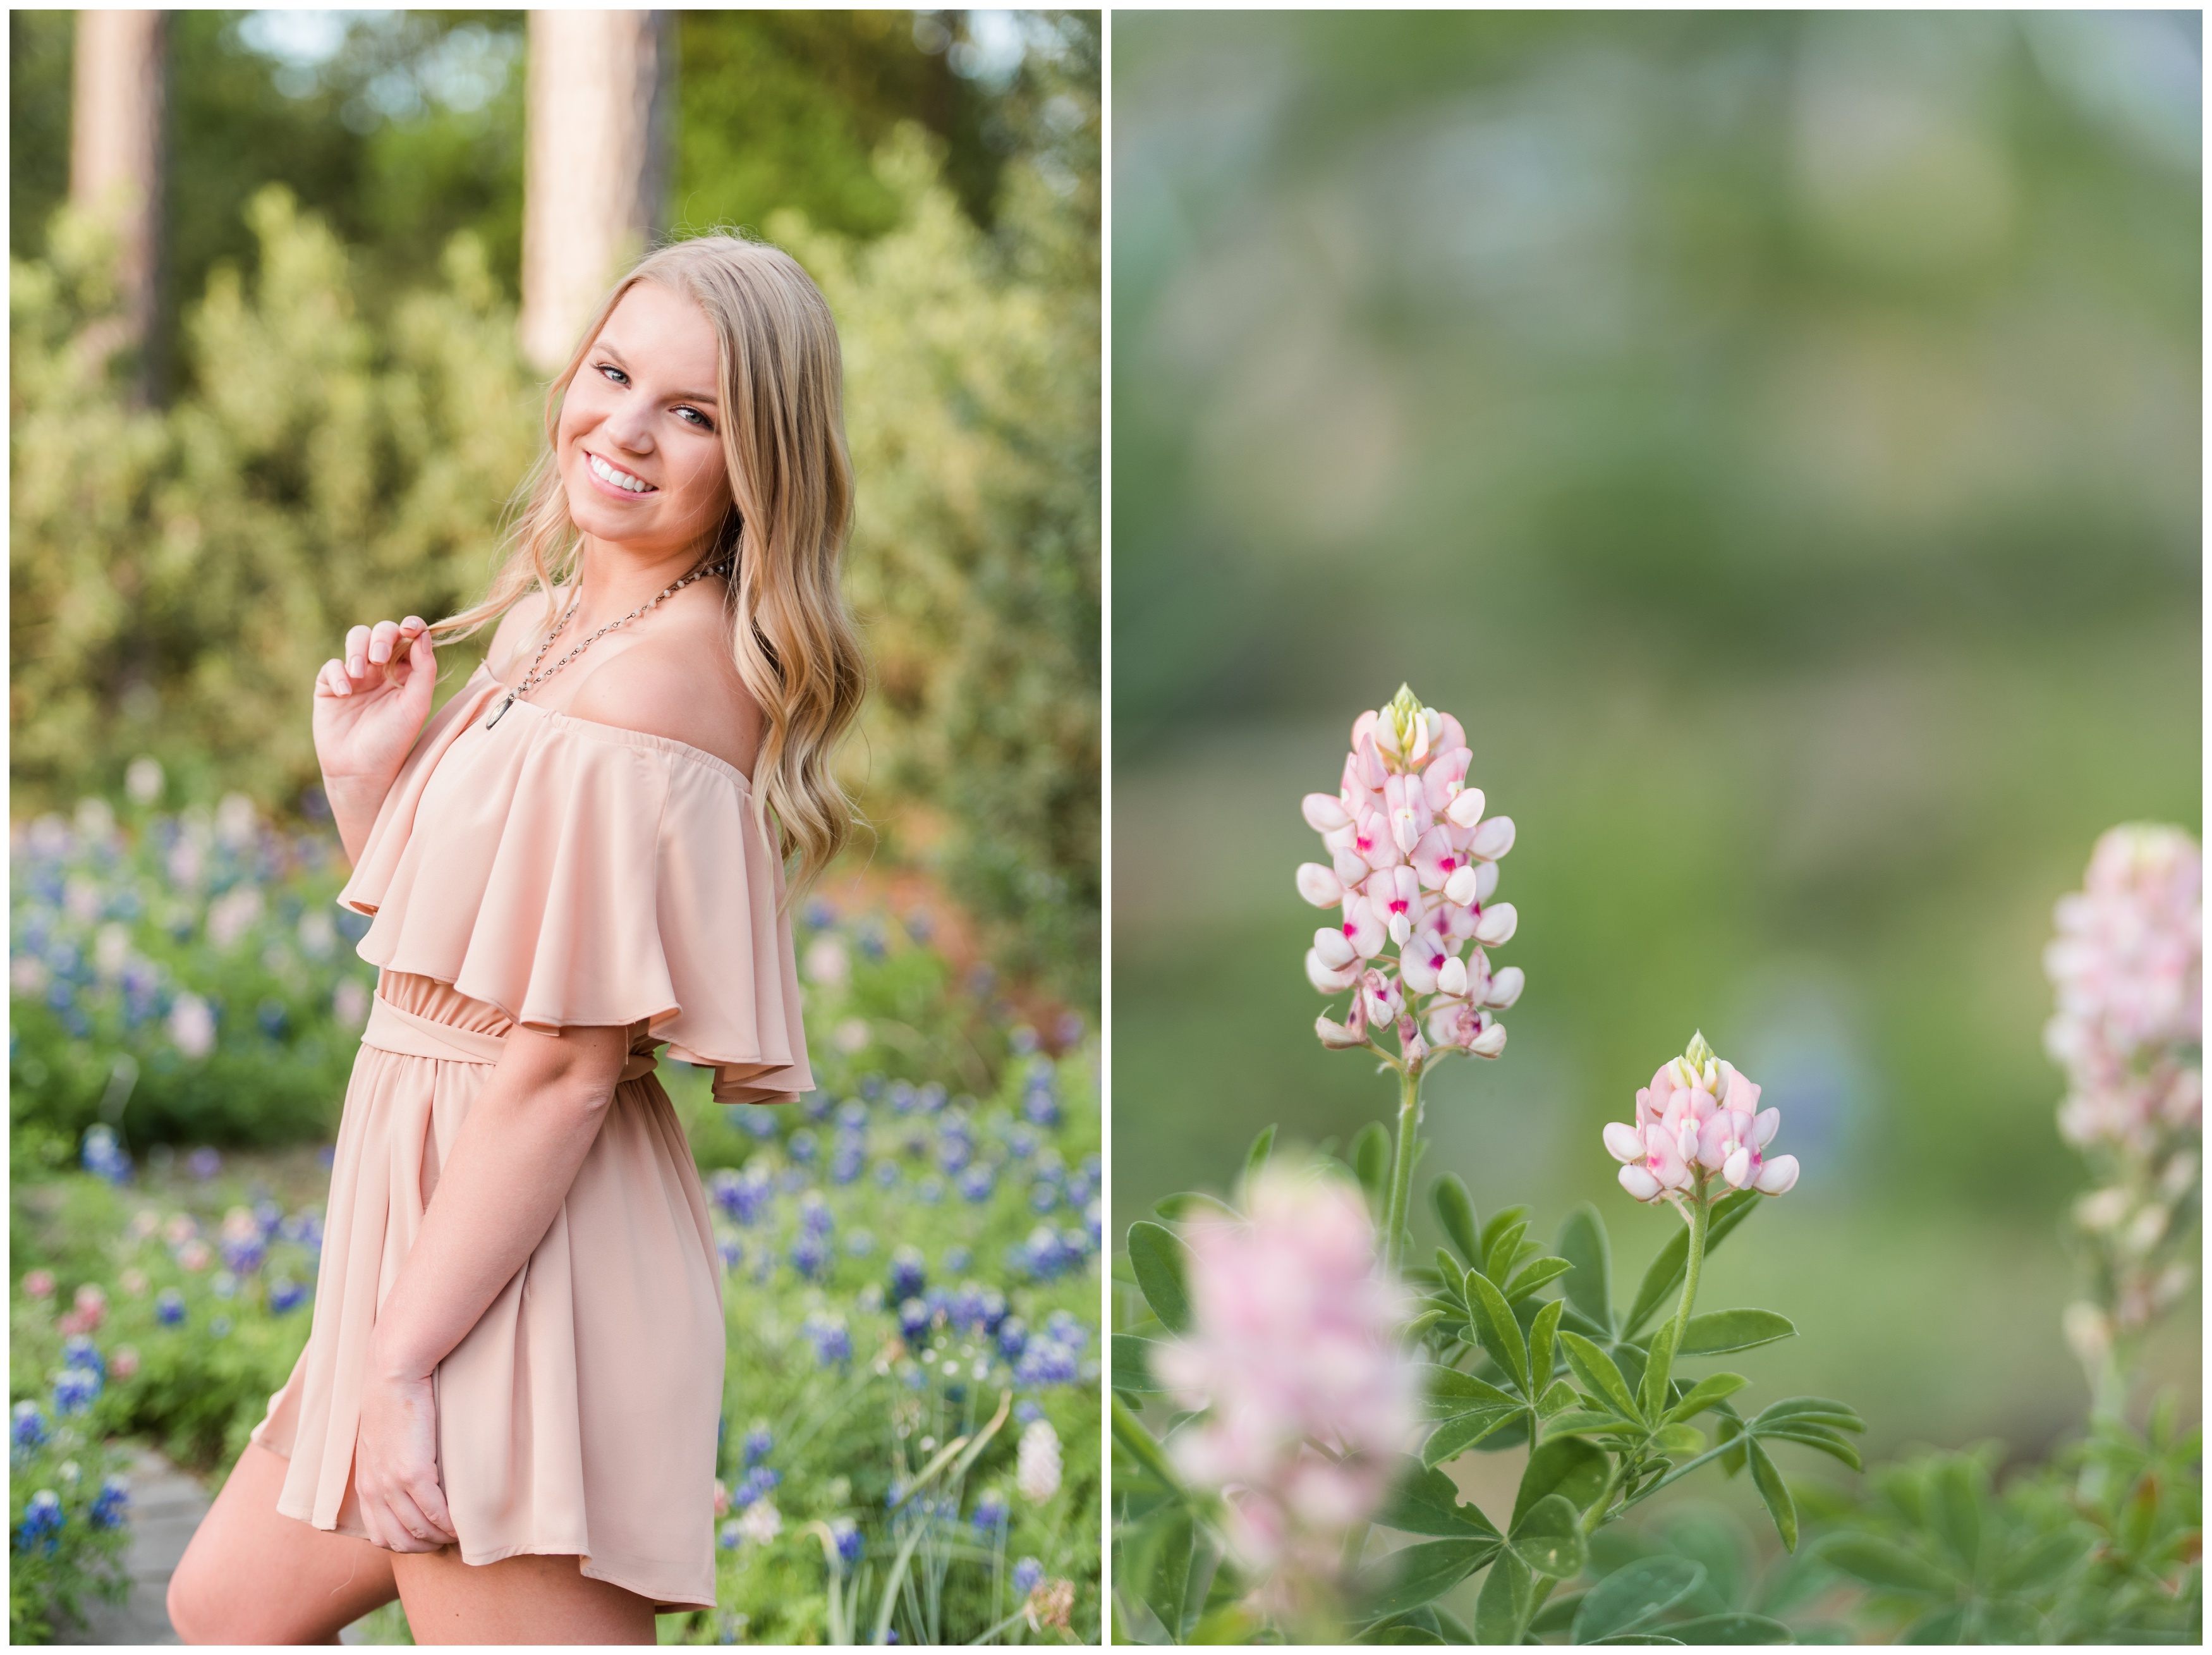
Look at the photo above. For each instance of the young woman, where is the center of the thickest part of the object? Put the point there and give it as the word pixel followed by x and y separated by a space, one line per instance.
pixel 506 1412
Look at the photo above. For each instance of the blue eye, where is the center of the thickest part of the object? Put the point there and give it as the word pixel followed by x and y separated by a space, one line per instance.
pixel 692 415
pixel 614 373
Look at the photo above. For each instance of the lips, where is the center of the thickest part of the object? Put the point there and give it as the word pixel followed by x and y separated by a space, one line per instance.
pixel 614 478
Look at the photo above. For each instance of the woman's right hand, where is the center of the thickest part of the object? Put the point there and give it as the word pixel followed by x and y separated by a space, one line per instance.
pixel 371 705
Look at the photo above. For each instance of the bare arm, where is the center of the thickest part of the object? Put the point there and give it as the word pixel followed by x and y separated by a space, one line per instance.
pixel 526 1136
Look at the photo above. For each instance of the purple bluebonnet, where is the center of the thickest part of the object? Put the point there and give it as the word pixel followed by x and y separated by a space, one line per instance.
pixel 819 914
pixel 757 1443
pixel 1046 1361
pixel 814 1215
pixel 169 1307
pixel 872 1087
pixel 1066 1326
pixel 110 1509
pixel 75 1391
pixel 903 1096
pixel 908 1275
pixel 27 1428
pixel 817 1105
pixel 800 1145
pixel 78 1351
pixel 759 1483
pixel 727 1536
pixel 1079 1188
pixel 1027 1574
pixel 1021 1143
pixel 1027 1413
pixel 990 1510
pixel 954 1150
pixel 810 1257
pixel 244 1253
pixel 285 1295
pixel 977 1182
pixel 1093 1225
pixel 733 1251
pixel 833 1345
pixel 932 1097
pixel 1076 1245
pixel 267 1214
pixel 1043 1197
pixel 846 1163
pixel 755 1120
pixel 913 1319
pixel 965 1308
pixel 1014 1336
pixel 846 1535
pixel 103 1157
pixel 42 1522
pixel 1041 1256
pixel 853 1115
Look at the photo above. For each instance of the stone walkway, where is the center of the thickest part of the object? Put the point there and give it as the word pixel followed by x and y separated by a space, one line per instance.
pixel 166 1505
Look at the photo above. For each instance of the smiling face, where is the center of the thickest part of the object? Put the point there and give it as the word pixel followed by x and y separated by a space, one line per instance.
pixel 639 454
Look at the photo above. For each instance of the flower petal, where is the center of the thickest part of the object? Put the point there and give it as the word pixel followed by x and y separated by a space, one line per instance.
pixel 1779 1175
pixel 1624 1143
pixel 1325 811
pixel 1319 886
pixel 1496 926
pixel 1639 1183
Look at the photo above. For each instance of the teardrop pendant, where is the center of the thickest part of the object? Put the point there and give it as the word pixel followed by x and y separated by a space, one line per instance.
pixel 499 712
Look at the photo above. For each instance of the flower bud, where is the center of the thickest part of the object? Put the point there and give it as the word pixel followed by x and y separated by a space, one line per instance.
pixel 1325 812
pixel 1319 886
pixel 1497 925
pixel 1335 1036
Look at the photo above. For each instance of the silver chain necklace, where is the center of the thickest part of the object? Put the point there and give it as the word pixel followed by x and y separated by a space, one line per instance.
pixel 534 677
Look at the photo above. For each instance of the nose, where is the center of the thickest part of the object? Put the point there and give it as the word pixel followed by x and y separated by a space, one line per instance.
pixel 630 426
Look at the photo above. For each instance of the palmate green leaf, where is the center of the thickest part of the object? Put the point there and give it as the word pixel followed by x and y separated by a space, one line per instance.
pixel 1132 1369
pixel 1654 1394
pixel 1818 1410
pixel 1631 1597
pixel 1159 1259
pixel 1455 1210
pixel 1704 1394
pixel 1678 1442
pixel 1583 1244
pixel 1730 1629
pixel 1495 1327
pixel 1775 1492
pixel 1549 1539
pixel 1558 1400
pixel 1663 1279
pixel 1407 1578
pixel 1508 1593
pixel 1827 1439
pixel 1717 1331
pixel 1451 1277
pixel 1956 1495
pixel 1730 1428
pixel 1543 1342
pixel 1600 1375
pixel 1256 1157
pixel 1446 1391
pixel 1464 1431
pixel 1566 1466
pixel 1186 1202
pixel 1592 1423
pixel 1499 1223
pixel 2046 1561
pixel 1426 1502
pixel 1886 1566
pixel 1536 1274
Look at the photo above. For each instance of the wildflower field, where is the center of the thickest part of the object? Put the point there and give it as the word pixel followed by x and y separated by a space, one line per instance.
pixel 909 1447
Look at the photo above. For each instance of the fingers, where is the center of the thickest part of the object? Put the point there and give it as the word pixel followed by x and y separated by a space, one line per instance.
pixel 356 652
pixel 333 679
pixel 430 1500
pixel 385 650
pixel 397 1523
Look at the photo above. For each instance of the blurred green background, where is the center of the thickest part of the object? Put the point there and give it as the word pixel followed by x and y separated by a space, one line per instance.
pixel 1777 437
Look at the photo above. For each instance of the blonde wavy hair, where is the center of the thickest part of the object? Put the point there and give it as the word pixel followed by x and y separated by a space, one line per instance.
pixel 780 379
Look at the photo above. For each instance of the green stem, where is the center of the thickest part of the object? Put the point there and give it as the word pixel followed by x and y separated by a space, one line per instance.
pixel 1700 1221
pixel 1401 1166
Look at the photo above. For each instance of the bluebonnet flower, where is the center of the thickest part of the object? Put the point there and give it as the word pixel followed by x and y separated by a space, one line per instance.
pixel 1043 1197
pixel 759 1482
pixel 903 1096
pixel 800 1147
pixel 78 1351
pixel 990 1510
pixel 870 936
pixel 913 1318
pixel 921 926
pixel 111 1508
pixel 27 1428
pixel 1043 1255
pixel 244 1253
pixel 954 1150
pixel 1027 1574
pixel 907 1274
pixel 727 1537
pixel 755 1119
pixel 931 1097
pixel 956 1259
pixel 993 1308
pixel 285 1295
pixel 817 1105
pixel 1027 1413
pixel 814 1215
pixel 733 1251
pixel 810 1255
pixel 75 1391
pixel 757 1443
pixel 887 1174
pixel 850 1545
pixel 964 1310
pixel 845 1165
pixel 169 1307
pixel 792 1180
pixel 853 1114
pixel 1046 1361
pixel 1041 1107
pixel 1021 1143
pixel 872 1087
pixel 1066 1326
pixel 977 1182
pixel 1013 1336
pixel 42 1522
pixel 103 1157
pixel 819 914
pixel 1093 1226
pixel 267 1214
pixel 1078 1189
pixel 826 1333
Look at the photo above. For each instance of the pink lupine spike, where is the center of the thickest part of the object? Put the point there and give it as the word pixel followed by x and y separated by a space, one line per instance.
pixel 1421 962
pixel 1364 926
pixel 1445 776
pixel 1319 886
pixel 1435 860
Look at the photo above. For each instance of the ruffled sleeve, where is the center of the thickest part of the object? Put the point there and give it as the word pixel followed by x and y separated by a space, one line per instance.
pixel 571 873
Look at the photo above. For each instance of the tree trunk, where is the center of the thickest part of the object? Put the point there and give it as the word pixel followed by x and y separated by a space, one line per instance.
pixel 601 101
pixel 115 164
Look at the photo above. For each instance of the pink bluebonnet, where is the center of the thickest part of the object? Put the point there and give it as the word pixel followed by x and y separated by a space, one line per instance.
pixel 1294 1342
pixel 1699 1116
pixel 1413 868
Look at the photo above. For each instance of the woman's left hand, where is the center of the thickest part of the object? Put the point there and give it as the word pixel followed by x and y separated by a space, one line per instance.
pixel 395 1465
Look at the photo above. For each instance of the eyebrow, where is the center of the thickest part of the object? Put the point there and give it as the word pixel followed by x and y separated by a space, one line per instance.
pixel 608 347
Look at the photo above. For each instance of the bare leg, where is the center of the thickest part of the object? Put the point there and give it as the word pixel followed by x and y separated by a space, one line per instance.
pixel 518 1600
pixel 252 1575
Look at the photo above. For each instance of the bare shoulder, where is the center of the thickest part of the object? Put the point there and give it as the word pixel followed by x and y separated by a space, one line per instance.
pixel 680 687
pixel 519 629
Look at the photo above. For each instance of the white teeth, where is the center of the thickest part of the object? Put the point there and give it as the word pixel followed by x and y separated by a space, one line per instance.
pixel 607 473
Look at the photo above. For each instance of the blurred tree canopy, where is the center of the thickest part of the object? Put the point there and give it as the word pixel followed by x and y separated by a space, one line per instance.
pixel 341 441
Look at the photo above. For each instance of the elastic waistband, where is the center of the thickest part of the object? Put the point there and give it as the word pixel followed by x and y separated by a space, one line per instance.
pixel 411 1035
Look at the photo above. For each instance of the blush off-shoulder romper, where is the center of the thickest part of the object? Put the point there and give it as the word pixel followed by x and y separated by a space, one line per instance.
pixel 553 872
